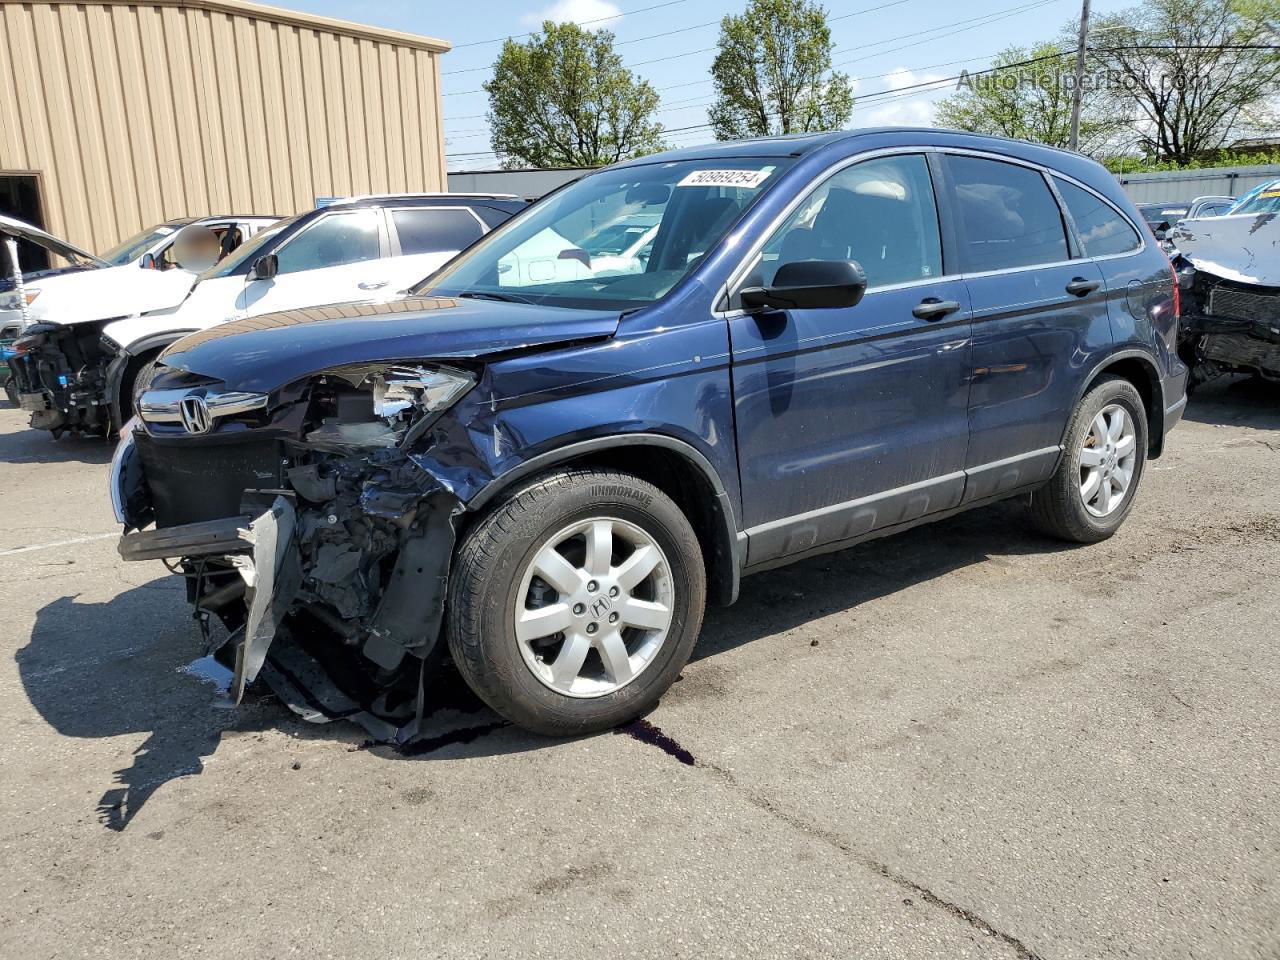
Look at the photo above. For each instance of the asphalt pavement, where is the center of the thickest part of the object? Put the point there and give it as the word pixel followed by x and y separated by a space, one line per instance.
pixel 963 741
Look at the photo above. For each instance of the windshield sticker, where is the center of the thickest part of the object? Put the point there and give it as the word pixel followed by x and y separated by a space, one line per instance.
pixel 164 231
pixel 749 179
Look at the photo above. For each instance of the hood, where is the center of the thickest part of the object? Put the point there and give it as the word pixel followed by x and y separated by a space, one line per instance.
pixel 1244 247
pixel 266 352
pixel 10 227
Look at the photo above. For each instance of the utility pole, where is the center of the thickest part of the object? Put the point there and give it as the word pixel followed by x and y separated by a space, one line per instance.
pixel 1078 90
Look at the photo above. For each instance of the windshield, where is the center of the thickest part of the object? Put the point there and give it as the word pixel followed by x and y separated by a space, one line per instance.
pixel 1261 199
pixel 575 248
pixel 246 251
pixel 131 249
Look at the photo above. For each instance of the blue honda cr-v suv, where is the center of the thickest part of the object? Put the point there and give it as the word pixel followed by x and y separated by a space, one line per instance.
pixel 677 371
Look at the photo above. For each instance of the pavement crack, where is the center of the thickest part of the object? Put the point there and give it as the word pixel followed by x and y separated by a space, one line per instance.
pixel 774 809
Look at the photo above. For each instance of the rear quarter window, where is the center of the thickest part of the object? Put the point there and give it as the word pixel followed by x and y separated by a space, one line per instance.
pixel 1007 215
pixel 1102 230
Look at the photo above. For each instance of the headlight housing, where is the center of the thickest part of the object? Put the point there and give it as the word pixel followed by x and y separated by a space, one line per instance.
pixel 14 300
pixel 392 405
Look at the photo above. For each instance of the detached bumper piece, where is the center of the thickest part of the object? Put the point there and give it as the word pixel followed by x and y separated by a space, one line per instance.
pixel 212 538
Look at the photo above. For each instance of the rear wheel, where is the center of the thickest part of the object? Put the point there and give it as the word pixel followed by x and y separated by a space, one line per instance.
pixel 575 604
pixel 1093 489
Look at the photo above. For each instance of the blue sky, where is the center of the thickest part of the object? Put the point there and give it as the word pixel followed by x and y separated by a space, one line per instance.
pixel 887 51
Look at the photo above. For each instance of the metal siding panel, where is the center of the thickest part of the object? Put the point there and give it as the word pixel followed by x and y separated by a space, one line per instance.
pixel 174 166
pixel 409 114
pixel 132 113
pixel 73 220
pixel 253 118
pixel 279 161
pixel 352 138
pixel 110 101
pixel 294 103
pixel 371 141
pixel 107 220
pixel 31 107
pixel 211 141
pixel 335 127
pixel 229 97
pixel 437 126
pixel 14 152
pixel 316 114
pixel 188 144
pixel 392 120
pixel 135 170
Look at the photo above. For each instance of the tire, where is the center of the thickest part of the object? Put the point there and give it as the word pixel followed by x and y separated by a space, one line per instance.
pixel 497 580
pixel 1060 508
pixel 138 372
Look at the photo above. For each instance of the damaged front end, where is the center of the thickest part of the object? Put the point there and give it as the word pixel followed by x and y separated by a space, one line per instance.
pixel 1229 280
pixel 304 522
pixel 59 376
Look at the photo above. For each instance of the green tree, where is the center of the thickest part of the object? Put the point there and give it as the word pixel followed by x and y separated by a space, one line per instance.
pixel 563 99
pixel 1263 12
pixel 773 73
pixel 1028 96
pixel 1192 75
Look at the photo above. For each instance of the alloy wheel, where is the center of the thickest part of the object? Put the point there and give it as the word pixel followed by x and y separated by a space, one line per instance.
pixel 1108 457
pixel 594 607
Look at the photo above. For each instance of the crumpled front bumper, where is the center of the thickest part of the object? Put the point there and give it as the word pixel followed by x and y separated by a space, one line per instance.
pixel 339 624
pixel 262 551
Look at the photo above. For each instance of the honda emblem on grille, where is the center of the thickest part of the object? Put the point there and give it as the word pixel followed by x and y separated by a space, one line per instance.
pixel 195 415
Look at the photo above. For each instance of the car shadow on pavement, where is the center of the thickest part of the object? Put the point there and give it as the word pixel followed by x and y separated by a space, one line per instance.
pixel 119 668
pixel 779 600
pixel 39 446
pixel 1237 401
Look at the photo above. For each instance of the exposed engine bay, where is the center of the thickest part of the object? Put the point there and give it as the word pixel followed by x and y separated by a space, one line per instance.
pixel 325 557
pixel 1228 271
pixel 59 375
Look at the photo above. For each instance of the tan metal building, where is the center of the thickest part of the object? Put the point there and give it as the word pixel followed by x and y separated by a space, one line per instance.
pixel 117 115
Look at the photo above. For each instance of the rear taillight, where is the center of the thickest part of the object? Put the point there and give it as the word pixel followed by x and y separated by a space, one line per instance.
pixel 1177 291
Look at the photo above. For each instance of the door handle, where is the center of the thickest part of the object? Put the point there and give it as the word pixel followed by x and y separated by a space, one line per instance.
pixel 932 308
pixel 378 285
pixel 1081 287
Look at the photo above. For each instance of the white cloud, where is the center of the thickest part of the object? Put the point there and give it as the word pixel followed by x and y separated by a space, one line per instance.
pixel 575 11
pixel 913 108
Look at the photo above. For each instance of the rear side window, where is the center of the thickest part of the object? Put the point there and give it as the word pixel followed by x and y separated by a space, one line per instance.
pixel 1102 230
pixel 1008 218
pixel 435 230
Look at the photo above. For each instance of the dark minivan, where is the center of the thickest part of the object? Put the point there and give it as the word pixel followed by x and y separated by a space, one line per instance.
pixel 544 462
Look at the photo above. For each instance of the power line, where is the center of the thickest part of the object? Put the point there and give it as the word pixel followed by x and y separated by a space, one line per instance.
pixel 581 23
pixel 675 56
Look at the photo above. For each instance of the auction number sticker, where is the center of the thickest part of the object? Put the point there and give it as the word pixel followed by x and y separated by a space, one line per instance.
pixel 748 179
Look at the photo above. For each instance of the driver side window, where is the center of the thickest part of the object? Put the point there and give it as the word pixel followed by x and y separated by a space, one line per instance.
pixel 336 239
pixel 880 213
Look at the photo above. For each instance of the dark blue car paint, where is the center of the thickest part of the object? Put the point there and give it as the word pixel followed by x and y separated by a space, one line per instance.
pixel 813 429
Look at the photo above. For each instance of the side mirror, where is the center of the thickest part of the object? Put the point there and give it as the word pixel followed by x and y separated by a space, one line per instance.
pixel 810 285
pixel 149 262
pixel 264 268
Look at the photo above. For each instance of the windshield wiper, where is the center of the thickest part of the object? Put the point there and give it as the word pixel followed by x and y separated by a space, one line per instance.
pixel 501 297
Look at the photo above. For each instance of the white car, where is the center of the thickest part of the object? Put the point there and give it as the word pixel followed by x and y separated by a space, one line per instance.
pixel 92 287
pixel 51 317
pixel 363 248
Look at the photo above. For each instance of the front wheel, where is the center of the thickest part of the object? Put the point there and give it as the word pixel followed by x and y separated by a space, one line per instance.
pixel 575 603
pixel 1092 491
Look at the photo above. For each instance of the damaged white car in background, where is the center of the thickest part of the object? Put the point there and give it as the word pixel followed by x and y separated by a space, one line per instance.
pixel 1228 270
